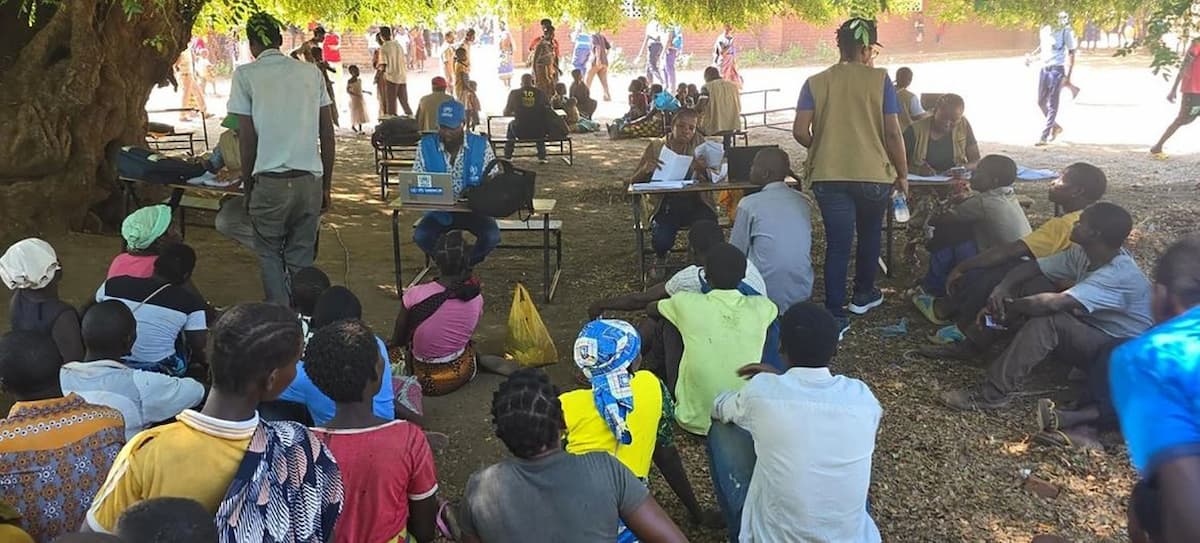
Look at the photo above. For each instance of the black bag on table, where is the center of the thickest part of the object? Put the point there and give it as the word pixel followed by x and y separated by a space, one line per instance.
pixel 396 131
pixel 148 166
pixel 502 193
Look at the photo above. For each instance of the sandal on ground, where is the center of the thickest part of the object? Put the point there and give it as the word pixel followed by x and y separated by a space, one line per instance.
pixel 924 303
pixel 447 522
pixel 971 399
pixel 946 335
pixel 1053 438
pixel 1160 156
pixel 1047 415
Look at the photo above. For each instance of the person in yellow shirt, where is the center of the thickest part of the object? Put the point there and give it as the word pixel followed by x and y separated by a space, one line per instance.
pixel 971 282
pixel 627 413
pixel 223 456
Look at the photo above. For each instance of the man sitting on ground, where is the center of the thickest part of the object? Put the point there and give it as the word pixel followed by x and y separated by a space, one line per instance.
pixel 430 105
pixel 1154 381
pixel 910 104
pixel 720 106
pixel 594 496
pixel 809 429
pixel 1110 300
pixel 992 217
pixel 142 397
pixel 582 95
pixel 674 211
pixel 627 413
pixel 774 228
pixel 54 450
pixel 972 280
pixel 703 235
pixel 165 310
pixel 942 141
pixel 464 156
pixel 721 331
pixel 530 108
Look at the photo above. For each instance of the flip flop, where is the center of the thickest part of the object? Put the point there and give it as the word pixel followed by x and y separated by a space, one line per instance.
pixel 1047 416
pixel 447 522
pixel 946 335
pixel 1160 156
pixel 970 400
pixel 924 303
pixel 1055 438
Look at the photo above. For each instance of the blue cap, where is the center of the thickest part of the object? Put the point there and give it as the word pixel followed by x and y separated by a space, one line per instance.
pixel 451 114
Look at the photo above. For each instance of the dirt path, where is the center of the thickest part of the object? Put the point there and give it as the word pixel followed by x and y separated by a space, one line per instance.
pixel 939 476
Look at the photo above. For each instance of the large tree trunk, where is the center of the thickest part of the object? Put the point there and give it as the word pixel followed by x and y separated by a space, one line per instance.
pixel 73 89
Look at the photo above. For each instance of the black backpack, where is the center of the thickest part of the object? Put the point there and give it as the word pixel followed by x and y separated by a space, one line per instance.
pixel 503 193
pixel 396 131
pixel 148 166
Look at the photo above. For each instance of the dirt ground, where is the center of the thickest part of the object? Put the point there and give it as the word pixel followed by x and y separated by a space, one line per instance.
pixel 938 475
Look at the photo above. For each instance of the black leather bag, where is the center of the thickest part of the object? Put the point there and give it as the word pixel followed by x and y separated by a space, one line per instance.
pixel 147 166
pixel 502 193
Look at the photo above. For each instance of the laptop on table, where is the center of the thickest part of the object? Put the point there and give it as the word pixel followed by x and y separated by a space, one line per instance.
pixel 426 188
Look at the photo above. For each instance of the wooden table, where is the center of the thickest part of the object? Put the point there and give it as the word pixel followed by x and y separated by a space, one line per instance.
pixel 179 199
pixel 639 229
pixel 542 207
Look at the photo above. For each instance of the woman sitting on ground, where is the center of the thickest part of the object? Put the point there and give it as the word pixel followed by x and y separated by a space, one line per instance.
pixel 385 500
pixel 224 456
pixel 146 232
pixel 651 123
pixel 172 327
pixel 31 270
pixel 942 141
pixel 437 319
pixel 627 412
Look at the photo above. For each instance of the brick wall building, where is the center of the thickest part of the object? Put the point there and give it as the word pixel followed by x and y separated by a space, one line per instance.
pixel 897 33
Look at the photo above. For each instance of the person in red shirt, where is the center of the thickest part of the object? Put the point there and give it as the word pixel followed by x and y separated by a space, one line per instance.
pixel 1189 106
pixel 331 48
pixel 389 480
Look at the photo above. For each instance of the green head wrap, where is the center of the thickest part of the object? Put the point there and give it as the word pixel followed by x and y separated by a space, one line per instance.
pixel 142 227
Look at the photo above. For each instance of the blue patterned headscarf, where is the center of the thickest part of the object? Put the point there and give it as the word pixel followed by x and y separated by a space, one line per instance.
pixel 604 350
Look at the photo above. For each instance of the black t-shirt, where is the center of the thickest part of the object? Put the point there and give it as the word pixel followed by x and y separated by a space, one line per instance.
pixel 530 107
pixel 939 153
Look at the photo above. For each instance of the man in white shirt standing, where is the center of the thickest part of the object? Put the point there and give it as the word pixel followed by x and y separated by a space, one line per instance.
pixel 813 433
pixel 394 63
pixel 142 397
pixel 283 110
pixel 1057 47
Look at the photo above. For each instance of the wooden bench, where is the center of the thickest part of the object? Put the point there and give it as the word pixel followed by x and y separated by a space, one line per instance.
pixel 178 141
pixel 563 148
pixel 391 159
pixel 539 221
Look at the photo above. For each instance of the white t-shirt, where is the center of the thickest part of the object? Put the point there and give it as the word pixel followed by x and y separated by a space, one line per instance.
pixel 161 315
pixel 1116 295
pixel 392 54
pixel 688 280
pixel 142 397
pixel 814 434
pixel 284 97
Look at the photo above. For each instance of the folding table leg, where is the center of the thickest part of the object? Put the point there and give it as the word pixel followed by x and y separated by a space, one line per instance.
pixel 639 239
pixel 546 256
pixel 396 250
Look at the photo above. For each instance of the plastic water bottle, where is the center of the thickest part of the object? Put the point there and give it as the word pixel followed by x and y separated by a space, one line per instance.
pixel 900 208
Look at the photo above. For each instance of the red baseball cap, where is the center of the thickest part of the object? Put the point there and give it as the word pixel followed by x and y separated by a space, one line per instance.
pixel 439 82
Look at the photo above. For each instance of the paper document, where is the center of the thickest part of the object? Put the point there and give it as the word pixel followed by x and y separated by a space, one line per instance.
pixel 711 152
pixel 675 167
pixel 207 179
pixel 661 185
pixel 915 177
pixel 719 174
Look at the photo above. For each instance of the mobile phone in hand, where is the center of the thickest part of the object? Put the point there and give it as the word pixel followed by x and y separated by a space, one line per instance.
pixel 990 322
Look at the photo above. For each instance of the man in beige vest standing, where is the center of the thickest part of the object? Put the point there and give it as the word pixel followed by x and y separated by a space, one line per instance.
pixel 720 106
pixel 848 118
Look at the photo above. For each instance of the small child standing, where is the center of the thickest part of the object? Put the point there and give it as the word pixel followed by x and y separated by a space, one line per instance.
pixel 358 106
pixel 462 74
pixel 472 102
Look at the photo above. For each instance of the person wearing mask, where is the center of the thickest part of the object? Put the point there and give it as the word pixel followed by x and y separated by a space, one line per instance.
pixel 283 110
pixel 848 119
pixel 464 156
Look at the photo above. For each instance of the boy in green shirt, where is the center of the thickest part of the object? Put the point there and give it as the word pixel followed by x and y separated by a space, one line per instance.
pixel 722 331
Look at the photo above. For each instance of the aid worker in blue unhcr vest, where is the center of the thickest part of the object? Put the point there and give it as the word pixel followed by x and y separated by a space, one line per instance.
pixel 464 156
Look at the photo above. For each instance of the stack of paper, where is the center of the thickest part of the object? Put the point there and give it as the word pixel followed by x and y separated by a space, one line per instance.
pixel 661 185
pixel 915 177
pixel 674 166
pixel 207 179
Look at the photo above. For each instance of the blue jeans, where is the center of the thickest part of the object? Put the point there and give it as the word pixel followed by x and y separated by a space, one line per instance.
pixel 1050 83
pixel 511 140
pixel 731 462
pixel 849 207
pixel 942 261
pixel 433 225
pixel 676 211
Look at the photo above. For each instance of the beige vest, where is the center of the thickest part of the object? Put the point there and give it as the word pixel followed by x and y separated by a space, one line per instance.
pixel 922 129
pixel 231 152
pixel 724 108
pixel 848 126
pixel 905 96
